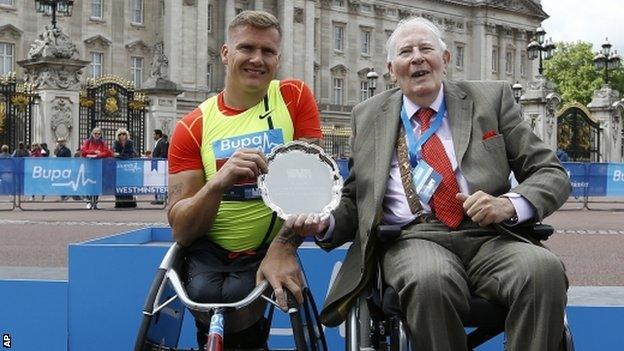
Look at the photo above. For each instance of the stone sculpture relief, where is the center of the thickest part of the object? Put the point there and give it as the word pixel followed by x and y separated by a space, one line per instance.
pixel 61 121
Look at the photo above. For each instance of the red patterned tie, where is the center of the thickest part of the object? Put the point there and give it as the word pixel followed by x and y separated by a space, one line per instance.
pixel 443 202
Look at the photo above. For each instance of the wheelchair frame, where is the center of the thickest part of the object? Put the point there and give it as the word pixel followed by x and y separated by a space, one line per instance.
pixel 385 332
pixel 307 331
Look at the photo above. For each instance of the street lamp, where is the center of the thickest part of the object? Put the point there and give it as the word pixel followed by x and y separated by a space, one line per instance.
pixel 372 81
pixel 606 60
pixel 539 46
pixel 517 91
pixel 62 7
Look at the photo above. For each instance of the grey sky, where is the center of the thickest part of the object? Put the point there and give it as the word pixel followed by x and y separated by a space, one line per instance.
pixel 586 20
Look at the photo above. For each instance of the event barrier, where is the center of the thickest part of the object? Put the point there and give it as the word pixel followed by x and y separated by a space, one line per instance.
pixel 24 178
pixel 596 180
pixel 31 177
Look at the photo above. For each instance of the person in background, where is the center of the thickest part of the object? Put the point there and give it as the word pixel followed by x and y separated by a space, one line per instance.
pixel 123 149
pixel 61 149
pixel 45 152
pixel 21 150
pixel 161 150
pixel 4 151
pixel 95 147
pixel 161 147
pixel 562 155
pixel 35 150
pixel 147 154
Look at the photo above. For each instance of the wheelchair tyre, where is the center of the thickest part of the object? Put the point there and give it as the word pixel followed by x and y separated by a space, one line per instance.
pixel 148 308
pixel 307 331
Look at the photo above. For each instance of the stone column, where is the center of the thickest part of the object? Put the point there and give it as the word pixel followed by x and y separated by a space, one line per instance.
pixel 285 14
pixel 539 104
pixel 230 13
pixel 607 109
pixel 161 111
pixel 309 12
pixel 162 94
pixel 53 69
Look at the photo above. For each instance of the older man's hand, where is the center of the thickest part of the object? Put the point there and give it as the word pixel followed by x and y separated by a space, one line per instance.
pixel 486 209
pixel 307 224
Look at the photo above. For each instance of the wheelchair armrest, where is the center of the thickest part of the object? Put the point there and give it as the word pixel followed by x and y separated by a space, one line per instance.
pixel 538 231
pixel 388 232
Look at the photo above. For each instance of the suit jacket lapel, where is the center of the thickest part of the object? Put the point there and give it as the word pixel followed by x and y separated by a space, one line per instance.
pixel 386 131
pixel 459 109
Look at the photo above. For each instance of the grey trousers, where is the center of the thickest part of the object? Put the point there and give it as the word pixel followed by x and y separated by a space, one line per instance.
pixel 434 272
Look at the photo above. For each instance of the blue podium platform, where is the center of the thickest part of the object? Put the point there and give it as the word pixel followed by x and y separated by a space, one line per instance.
pixel 99 306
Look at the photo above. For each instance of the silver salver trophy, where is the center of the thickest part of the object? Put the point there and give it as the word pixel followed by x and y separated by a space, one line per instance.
pixel 301 179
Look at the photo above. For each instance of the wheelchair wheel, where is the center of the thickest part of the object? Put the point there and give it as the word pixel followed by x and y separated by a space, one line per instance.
pixel 148 308
pixel 307 330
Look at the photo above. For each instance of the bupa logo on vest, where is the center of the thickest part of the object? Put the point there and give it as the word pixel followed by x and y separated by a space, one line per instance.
pixel 265 140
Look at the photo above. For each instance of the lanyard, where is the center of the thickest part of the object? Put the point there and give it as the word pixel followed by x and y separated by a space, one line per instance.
pixel 414 145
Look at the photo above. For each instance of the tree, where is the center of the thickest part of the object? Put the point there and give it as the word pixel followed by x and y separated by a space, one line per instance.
pixel 572 70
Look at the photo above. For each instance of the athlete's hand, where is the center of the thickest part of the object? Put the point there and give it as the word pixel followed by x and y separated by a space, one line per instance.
pixel 486 209
pixel 243 164
pixel 280 268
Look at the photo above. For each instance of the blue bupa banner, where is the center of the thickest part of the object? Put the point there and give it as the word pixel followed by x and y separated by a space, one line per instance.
pixel 578 178
pixel 62 176
pixel 597 178
pixel 141 177
pixel 8 176
pixel 615 179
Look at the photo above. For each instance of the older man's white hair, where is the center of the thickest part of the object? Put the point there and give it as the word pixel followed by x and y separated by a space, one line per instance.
pixel 411 22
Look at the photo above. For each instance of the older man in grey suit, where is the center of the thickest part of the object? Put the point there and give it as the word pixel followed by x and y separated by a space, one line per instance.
pixel 455 241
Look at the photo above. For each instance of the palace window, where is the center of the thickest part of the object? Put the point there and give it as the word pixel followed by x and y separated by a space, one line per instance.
pixel 136 69
pixel 339 30
pixel 459 56
pixel 6 58
pixel 365 41
pixel 338 91
pixel 97 60
pixel 209 15
pixel 363 90
pixel 96 8
pixel 495 59
pixel 509 62
pixel 209 76
pixel 137 11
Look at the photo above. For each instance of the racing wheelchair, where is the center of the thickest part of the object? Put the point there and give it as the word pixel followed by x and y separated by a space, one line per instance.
pixel 167 298
pixel 374 322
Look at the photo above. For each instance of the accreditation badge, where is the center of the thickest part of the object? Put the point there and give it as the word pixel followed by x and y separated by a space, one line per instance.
pixel 425 180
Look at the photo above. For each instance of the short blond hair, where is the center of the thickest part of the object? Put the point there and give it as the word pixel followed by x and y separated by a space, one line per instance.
pixel 258 19
pixel 122 131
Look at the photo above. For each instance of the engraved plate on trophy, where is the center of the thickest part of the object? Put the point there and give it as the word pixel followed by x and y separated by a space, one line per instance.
pixel 301 179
